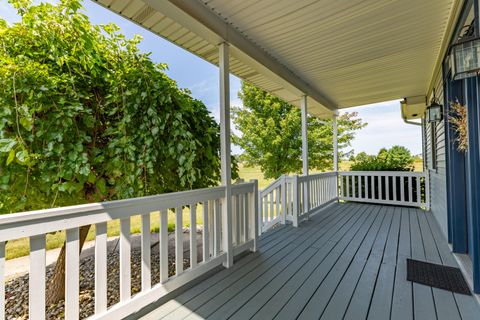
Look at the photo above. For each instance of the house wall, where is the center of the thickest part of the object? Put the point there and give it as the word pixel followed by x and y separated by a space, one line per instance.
pixel 437 167
pixel 455 175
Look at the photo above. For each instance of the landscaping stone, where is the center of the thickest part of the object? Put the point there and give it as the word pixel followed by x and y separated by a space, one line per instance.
pixel 16 289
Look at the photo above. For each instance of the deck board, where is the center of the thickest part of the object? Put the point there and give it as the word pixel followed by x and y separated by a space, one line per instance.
pixel 222 303
pixel 327 272
pixel 190 302
pixel 402 306
pixel 346 262
pixel 423 302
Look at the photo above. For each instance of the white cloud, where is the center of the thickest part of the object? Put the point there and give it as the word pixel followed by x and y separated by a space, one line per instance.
pixel 8 13
pixel 385 129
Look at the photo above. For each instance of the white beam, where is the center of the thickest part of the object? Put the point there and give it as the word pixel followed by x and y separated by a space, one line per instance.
pixel 303 104
pixel 201 20
pixel 335 143
pixel 225 152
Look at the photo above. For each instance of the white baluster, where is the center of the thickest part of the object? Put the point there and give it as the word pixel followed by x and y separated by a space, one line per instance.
pixel 387 188
pixel 36 302
pixel 236 219
pixel 272 216
pixel 163 246
pixel 205 233
pixel 178 241
pixel 193 236
pixel 100 267
pixel 348 186
pixel 419 192
pixel 402 188
pixel 254 213
pixel 217 227
pixel 410 187
pixel 246 209
pixel 145 244
pixel 125 252
pixel 395 197
pixel 72 276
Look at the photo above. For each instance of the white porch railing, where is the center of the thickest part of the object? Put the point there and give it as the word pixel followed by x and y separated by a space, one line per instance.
pixel 321 189
pixel 37 224
pixel 291 198
pixel 385 187
pixel 294 198
pixel 272 206
pixel 276 203
pixel 286 198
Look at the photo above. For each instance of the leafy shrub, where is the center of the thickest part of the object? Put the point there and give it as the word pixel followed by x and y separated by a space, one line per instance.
pixel 397 158
pixel 85 116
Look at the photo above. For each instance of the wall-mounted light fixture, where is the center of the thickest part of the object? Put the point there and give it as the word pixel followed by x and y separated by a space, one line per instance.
pixel 434 112
pixel 465 58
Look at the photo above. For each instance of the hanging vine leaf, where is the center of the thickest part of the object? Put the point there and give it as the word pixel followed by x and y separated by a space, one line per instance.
pixel 85 116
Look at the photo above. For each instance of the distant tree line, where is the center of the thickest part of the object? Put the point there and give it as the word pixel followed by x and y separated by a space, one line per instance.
pixel 397 158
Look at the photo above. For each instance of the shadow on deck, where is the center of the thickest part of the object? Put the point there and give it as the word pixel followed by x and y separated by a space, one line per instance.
pixel 347 262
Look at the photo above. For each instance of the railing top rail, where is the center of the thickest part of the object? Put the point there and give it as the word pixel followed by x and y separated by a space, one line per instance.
pixel 317 175
pixel 243 187
pixel 272 186
pixel 382 173
pixel 134 205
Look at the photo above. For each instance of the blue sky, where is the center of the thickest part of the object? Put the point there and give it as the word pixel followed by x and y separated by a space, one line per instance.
pixel 385 126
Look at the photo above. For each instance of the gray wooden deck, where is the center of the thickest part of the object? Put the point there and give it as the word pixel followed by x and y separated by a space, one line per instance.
pixel 347 262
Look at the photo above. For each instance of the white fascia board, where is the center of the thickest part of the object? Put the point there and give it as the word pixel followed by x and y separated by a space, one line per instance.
pixel 199 19
pixel 452 19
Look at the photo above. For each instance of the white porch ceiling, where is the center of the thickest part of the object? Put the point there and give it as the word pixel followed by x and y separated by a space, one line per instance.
pixel 342 53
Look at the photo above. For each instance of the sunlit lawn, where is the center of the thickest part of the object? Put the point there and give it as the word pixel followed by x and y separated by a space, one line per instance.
pixel 20 247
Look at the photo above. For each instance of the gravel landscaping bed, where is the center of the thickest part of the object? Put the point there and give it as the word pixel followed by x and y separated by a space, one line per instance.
pixel 16 290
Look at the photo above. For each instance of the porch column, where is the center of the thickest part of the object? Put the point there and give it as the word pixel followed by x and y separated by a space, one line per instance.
pixel 306 190
pixel 223 61
pixel 473 116
pixel 335 143
pixel 473 178
pixel 335 152
pixel 303 104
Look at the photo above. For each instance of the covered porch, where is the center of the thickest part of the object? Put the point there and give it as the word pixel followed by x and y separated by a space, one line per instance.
pixel 332 245
pixel 347 262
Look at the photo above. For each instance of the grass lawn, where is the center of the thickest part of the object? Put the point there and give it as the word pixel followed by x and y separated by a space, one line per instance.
pixel 345 165
pixel 20 247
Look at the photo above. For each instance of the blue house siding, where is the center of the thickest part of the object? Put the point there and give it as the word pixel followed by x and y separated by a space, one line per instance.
pixel 454 175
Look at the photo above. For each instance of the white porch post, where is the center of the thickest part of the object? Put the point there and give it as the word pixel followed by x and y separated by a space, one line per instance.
pixel 306 190
pixel 335 151
pixel 303 104
pixel 225 152
pixel 335 143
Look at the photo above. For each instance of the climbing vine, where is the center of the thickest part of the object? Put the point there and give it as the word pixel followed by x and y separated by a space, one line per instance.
pixel 85 116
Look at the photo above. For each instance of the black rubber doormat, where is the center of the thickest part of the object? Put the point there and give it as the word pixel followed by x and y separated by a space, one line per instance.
pixel 438 276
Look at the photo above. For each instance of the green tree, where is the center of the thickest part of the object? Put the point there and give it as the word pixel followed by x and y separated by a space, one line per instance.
pixel 362 156
pixel 397 158
pixel 271 134
pixel 85 116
